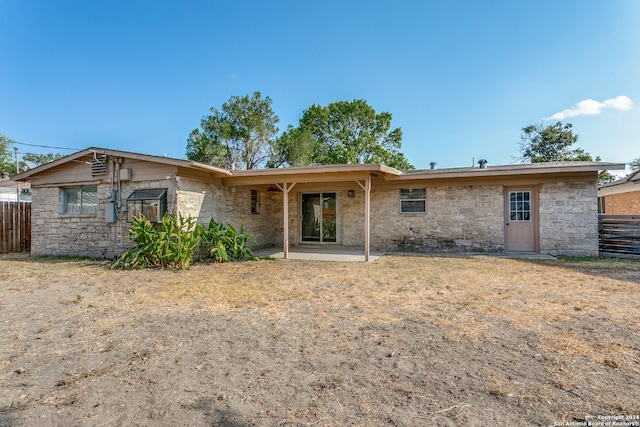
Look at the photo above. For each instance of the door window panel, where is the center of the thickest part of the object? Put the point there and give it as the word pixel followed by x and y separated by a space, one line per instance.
pixel 520 205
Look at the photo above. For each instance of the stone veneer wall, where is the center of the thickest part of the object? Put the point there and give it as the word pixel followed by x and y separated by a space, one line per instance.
pixel 231 205
pixel 89 235
pixel 460 218
pixel 569 219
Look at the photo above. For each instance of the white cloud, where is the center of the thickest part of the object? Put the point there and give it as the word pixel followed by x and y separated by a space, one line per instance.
pixel 589 107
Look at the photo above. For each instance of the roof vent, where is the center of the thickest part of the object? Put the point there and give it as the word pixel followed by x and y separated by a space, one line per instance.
pixel 99 165
pixel 482 163
pixel 433 165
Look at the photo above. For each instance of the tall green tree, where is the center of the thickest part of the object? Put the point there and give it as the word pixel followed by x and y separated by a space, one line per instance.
pixel 6 163
pixel 293 148
pixel 553 143
pixel 634 165
pixel 239 135
pixel 344 132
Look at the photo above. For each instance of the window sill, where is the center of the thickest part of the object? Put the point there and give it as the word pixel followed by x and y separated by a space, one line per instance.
pixel 91 215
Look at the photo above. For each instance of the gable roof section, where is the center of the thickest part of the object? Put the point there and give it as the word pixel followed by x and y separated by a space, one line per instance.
pixel 117 153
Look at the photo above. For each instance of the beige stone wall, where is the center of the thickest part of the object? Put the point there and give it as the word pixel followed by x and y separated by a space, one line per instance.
pixel 53 233
pixel 461 218
pixel 569 219
pixel 231 205
pixel 90 235
pixel 458 218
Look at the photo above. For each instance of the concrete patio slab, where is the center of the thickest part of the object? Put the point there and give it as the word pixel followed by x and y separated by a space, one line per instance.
pixel 356 254
pixel 320 253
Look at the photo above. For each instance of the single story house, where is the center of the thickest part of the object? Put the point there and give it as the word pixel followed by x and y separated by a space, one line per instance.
pixel 83 204
pixel 621 197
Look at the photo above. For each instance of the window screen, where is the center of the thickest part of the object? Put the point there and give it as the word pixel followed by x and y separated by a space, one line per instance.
pixel 79 200
pixel 413 200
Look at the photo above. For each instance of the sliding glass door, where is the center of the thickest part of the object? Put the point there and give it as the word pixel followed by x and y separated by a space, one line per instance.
pixel 321 217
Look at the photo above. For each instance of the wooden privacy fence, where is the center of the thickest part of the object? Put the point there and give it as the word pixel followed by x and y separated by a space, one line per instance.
pixel 15 227
pixel 619 236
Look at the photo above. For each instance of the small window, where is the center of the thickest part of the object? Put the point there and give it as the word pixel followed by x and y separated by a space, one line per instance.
pixel 255 202
pixel 413 200
pixel 79 200
pixel 152 203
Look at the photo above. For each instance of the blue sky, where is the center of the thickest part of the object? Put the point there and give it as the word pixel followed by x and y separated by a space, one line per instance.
pixel 461 78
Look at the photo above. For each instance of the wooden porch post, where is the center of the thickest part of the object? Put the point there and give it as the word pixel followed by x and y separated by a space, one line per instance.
pixel 367 215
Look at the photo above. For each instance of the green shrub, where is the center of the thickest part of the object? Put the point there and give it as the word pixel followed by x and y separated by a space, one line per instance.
pixel 173 242
pixel 224 242
pixel 169 244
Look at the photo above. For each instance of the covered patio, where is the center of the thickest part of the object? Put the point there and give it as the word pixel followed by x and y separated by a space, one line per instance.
pixel 318 179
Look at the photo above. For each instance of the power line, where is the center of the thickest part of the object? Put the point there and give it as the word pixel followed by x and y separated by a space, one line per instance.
pixel 47 146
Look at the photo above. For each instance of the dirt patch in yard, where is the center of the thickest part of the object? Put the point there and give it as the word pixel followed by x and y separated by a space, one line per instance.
pixel 439 341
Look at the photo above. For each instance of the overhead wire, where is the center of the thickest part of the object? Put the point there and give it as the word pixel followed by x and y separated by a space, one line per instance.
pixel 47 146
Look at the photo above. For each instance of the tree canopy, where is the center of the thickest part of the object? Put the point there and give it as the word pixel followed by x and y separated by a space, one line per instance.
pixel 341 133
pixel 242 135
pixel 6 165
pixel 238 136
pixel 553 143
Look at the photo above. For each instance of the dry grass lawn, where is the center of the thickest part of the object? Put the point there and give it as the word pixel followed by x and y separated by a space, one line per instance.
pixel 402 341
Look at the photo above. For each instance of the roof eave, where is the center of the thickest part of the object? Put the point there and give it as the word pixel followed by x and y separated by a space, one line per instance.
pixel 516 170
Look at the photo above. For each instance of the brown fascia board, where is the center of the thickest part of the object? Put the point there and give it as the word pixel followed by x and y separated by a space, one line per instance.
pixel 317 169
pixel 507 170
pixel 117 153
pixel 326 173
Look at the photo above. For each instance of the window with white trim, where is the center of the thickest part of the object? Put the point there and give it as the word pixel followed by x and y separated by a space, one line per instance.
pixel 413 200
pixel 79 200
pixel 255 202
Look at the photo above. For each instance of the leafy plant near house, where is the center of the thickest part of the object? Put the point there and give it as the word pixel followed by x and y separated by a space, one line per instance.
pixel 224 242
pixel 173 243
pixel 170 244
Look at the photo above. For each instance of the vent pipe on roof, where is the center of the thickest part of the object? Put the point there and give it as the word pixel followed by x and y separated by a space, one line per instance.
pixel 433 165
pixel 482 163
